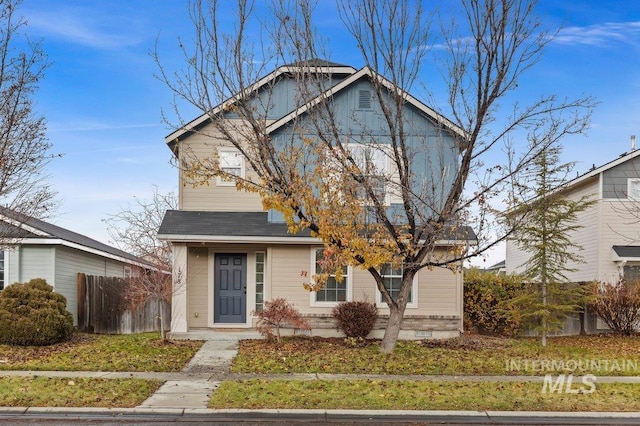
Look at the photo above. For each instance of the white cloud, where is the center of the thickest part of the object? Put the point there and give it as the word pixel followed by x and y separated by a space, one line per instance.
pixel 600 34
pixel 84 27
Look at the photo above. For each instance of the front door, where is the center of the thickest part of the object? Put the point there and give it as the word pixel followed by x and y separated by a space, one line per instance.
pixel 230 288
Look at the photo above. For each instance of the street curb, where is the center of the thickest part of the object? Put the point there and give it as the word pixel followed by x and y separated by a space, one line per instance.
pixel 319 412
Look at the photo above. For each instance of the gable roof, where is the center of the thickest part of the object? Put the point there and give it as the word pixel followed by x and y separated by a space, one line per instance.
pixel 319 65
pixel 28 230
pixel 595 171
pixel 325 67
pixel 212 226
pixel 362 73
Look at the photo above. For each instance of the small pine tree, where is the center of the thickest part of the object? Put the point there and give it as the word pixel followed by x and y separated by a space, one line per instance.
pixel 550 220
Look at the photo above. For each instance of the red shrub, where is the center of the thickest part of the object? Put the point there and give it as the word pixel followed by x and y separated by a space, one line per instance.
pixel 275 315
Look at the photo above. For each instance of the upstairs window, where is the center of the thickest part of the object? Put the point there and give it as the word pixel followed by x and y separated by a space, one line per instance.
pixel 232 163
pixel 633 189
pixel 372 162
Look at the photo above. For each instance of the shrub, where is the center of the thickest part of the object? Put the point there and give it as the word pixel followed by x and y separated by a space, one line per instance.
pixel 31 314
pixel 487 303
pixel 355 319
pixel 618 305
pixel 276 314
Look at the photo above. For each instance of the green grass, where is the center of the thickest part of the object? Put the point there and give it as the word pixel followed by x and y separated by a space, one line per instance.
pixel 473 356
pixel 81 392
pixel 419 395
pixel 90 352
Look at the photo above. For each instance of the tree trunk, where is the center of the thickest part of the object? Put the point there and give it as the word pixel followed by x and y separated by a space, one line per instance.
pixel 544 317
pixel 162 334
pixel 396 314
pixel 392 331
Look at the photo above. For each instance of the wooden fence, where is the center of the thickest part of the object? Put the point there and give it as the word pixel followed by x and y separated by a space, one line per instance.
pixel 103 307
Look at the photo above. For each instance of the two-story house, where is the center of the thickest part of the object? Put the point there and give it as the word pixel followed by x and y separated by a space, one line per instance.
pixel 610 229
pixel 230 255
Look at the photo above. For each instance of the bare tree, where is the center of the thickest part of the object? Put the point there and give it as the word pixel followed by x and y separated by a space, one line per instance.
pixel 311 171
pixel 133 229
pixel 24 148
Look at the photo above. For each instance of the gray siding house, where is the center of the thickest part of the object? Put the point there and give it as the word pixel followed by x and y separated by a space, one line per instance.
pixel 230 255
pixel 32 248
pixel 610 233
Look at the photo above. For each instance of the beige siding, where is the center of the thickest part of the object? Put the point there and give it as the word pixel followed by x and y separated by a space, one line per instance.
pixel 619 227
pixel 587 237
pixel 210 196
pixel 197 290
pixel 287 264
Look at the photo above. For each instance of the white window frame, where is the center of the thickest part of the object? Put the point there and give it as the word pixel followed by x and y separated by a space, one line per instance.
pixel 381 162
pixel 264 279
pixel 414 294
pixel 222 153
pixel 313 294
pixel 633 186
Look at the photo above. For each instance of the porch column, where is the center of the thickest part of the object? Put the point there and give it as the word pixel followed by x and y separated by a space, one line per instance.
pixel 179 290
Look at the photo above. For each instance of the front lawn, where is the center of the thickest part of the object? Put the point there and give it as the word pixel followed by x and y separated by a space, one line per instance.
pixel 420 395
pixel 94 352
pixel 80 392
pixel 604 355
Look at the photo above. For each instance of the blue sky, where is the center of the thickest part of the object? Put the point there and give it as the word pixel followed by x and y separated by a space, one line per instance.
pixel 103 104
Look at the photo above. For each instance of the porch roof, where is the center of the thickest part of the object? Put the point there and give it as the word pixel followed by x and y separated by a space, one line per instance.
pixel 181 225
pixel 627 252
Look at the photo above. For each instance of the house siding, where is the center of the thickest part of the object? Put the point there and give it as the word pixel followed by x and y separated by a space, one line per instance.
pixel 69 262
pixel 439 291
pixel 12 264
pixel 587 237
pixel 619 227
pixel 209 196
pixel 197 291
pixel 614 180
pixel 37 262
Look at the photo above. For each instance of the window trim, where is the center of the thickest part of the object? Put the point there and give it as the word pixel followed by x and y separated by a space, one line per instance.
pixel 313 294
pixel 264 273
pixel 219 180
pixel 384 174
pixel 414 295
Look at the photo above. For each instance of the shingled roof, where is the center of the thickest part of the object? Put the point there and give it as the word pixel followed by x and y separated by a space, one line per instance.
pixel 18 226
pixel 196 225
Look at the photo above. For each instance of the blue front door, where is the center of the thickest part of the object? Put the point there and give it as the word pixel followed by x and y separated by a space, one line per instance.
pixel 230 288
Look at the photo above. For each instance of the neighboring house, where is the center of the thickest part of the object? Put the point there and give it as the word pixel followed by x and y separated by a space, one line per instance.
pixel 230 255
pixel 610 233
pixel 498 268
pixel 32 248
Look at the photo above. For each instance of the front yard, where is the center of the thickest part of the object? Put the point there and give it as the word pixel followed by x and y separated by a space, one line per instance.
pixel 90 352
pixel 459 359
pixel 602 355
pixel 95 352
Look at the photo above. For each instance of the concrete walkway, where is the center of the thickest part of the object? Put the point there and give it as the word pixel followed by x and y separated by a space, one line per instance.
pixel 200 377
